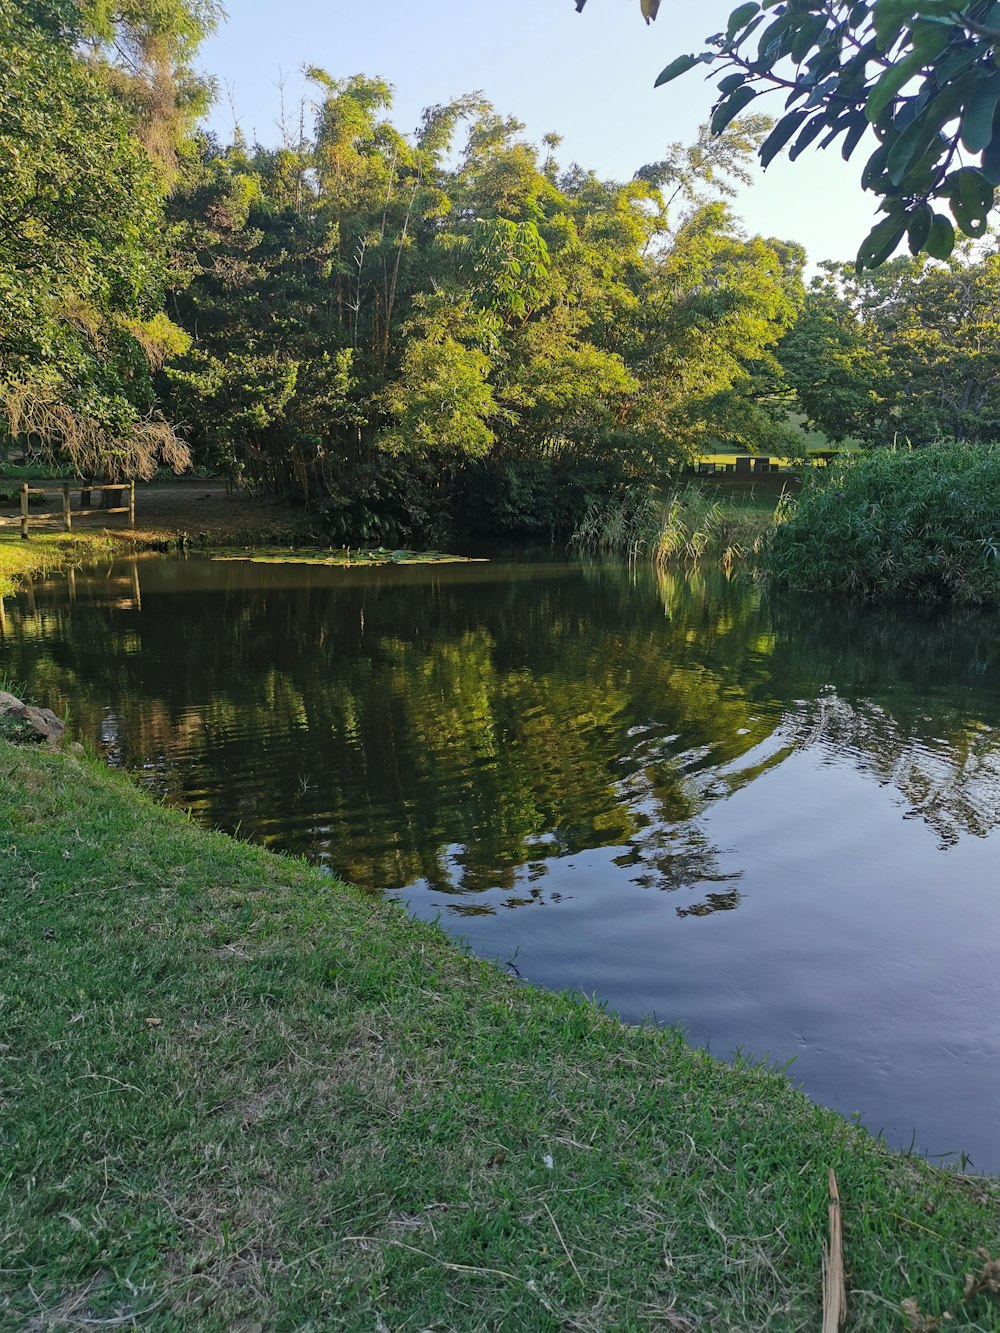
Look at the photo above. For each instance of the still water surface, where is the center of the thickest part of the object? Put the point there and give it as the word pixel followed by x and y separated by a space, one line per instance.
pixel 771 820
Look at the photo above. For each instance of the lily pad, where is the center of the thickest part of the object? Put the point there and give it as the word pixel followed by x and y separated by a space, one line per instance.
pixel 345 558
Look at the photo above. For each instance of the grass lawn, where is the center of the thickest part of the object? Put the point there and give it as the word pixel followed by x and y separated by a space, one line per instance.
pixel 235 1094
pixel 33 472
pixel 45 551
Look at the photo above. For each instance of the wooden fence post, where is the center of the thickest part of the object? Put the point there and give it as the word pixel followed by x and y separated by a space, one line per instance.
pixel 131 504
pixel 24 511
pixel 136 589
pixel 67 512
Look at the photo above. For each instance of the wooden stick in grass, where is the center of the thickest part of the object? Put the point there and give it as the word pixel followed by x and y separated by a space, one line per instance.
pixel 834 1283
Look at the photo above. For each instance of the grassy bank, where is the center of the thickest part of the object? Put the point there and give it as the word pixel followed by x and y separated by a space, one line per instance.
pixel 236 1094
pixel 170 516
pixel 45 552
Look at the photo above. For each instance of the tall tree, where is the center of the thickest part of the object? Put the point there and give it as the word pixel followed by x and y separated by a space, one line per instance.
pixel 147 51
pixel 374 313
pixel 81 258
pixel 910 353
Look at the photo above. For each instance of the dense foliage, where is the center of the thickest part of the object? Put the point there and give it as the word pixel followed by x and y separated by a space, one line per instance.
pixel 395 329
pixel 449 330
pixel 146 52
pixel 918 525
pixel 907 354
pixel 919 75
pixel 81 262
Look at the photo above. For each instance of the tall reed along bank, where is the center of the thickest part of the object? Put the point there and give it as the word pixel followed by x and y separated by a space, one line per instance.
pixel 239 1094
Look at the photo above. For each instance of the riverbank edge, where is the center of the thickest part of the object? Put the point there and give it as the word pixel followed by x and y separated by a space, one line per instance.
pixel 241 1093
pixel 45 553
pixel 49 552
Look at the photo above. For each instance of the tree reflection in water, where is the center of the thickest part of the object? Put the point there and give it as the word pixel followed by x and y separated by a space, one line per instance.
pixel 909 698
pixel 467 726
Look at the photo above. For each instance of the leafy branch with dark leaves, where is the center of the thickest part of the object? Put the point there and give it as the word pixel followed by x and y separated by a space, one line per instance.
pixel 920 76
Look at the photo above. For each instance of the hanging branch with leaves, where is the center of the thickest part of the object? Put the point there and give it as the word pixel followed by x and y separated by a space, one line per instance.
pixel 920 75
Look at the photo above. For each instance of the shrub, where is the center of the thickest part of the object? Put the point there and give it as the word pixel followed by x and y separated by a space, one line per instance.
pixel 916 525
pixel 533 497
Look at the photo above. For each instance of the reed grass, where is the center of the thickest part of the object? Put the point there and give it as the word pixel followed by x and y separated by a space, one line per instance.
pixel 687 525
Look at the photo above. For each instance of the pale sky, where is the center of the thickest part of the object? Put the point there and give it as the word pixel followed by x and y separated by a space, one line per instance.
pixel 588 77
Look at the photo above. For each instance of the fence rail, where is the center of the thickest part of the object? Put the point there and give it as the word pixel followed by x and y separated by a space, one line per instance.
pixel 68 512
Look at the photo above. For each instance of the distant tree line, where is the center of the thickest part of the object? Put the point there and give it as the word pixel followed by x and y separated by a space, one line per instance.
pixel 383 321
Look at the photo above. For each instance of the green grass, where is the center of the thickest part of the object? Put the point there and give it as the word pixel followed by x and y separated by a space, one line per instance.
pixel 43 552
pixel 34 472
pixel 811 442
pixel 236 1094
pixel 917 526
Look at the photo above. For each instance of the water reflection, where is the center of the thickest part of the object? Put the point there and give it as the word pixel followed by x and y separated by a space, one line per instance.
pixel 462 727
pixel 381 724
pixel 807 791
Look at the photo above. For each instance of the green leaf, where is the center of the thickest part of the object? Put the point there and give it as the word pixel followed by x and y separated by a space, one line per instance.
pixel 810 132
pixel 730 83
pixel 739 18
pixel 894 78
pixel 977 122
pixel 874 168
pixel 920 228
pixel 731 108
pixel 889 17
pixel 675 69
pixel 975 191
pixel 973 223
pixel 780 135
pixel 773 42
pixel 941 238
pixel 930 39
pixel 990 164
pixel 807 36
pixel 923 130
pixel 854 136
pixel 881 242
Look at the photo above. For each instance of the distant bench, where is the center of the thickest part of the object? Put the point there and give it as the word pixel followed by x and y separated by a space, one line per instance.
pixel 746 465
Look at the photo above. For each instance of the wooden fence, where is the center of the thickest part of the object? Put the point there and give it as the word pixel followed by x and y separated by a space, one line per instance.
pixel 68 512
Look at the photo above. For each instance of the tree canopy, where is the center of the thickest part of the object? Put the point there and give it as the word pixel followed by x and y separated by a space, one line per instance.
pixel 453 328
pixel 375 315
pixel 908 353
pixel 82 261
pixel 912 83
